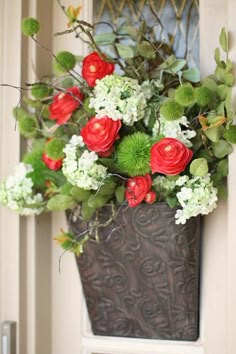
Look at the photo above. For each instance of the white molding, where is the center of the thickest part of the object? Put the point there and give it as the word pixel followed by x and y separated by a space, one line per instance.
pixel 10 63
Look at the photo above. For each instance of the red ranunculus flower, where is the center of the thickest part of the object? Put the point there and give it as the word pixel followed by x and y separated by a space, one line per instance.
pixel 64 104
pixel 50 163
pixel 94 67
pixel 169 156
pixel 99 134
pixel 137 188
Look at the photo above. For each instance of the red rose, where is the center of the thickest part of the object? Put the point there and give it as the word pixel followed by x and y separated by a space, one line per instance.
pixel 137 188
pixel 94 67
pixel 50 163
pixel 150 197
pixel 99 134
pixel 169 156
pixel 64 104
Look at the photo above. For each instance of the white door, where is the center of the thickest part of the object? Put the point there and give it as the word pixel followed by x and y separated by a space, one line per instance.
pixel 47 305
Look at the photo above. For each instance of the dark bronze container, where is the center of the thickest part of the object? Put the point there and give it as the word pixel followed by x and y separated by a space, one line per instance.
pixel 142 279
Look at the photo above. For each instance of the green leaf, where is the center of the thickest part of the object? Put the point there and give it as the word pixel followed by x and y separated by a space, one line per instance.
pixel 128 30
pixel 107 189
pixel 217 56
pixel 224 40
pixel 105 38
pixel 192 74
pixel 210 83
pixel 66 189
pixel 125 51
pixel 228 79
pixel 221 149
pixel 172 201
pixel 199 167
pixel 87 211
pixel 220 108
pixel 177 65
pixel 213 134
pixel 228 102
pixel 60 202
pixel 146 50
pixel 222 191
pixel 229 65
pixel 97 201
pixel 168 62
pixel 80 194
pixel 110 164
pixel 120 194
pixel 222 168
pixel 222 91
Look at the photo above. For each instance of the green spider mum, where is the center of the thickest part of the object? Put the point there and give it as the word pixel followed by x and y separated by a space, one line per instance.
pixel 133 154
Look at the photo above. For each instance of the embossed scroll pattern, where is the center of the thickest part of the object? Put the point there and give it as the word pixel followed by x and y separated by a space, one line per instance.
pixel 142 279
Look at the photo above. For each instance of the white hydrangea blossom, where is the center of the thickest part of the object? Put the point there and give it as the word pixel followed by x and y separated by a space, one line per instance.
pixel 17 192
pixel 82 170
pixel 197 196
pixel 150 88
pixel 119 97
pixel 172 129
pixel 162 183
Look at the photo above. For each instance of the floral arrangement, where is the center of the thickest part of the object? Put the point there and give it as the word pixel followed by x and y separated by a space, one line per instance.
pixel 132 126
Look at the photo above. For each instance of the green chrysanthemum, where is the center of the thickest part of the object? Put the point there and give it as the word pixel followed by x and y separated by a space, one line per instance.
pixel 65 61
pixel 185 95
pixel 28 126
pixel 133 154
pixel 54 148
pixel 171 110
pixel 41 90
pixel 30 26
pixel 203 96
pixel 230 134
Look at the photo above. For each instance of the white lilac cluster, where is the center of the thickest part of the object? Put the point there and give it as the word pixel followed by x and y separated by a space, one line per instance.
pixel 119 97
pixel 197 196
pixel 81 169
pixel 17 192
pixel 172 129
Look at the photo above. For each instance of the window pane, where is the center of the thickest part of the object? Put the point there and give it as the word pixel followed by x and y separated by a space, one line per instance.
pixel 178 21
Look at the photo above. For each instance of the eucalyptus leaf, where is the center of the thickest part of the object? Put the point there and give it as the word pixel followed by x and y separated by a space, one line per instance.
pixel 177 65
pixel 228 102
pixel 128 30
pixel 199 167
pixel 221 149
pixel 224 40
pixel 60 202
pixel 222 168
pixel 213 134
pixel 192 74
pixel 210 83
pixel 105 38
pixel 146 50
pixel 168 62
pixel 222 91
pixel 125 51
pixel 217 56
pixel 80 194
pixel 229 66
pixel 228 79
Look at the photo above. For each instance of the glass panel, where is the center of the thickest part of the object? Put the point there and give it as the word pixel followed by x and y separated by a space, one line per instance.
pixel 178 21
